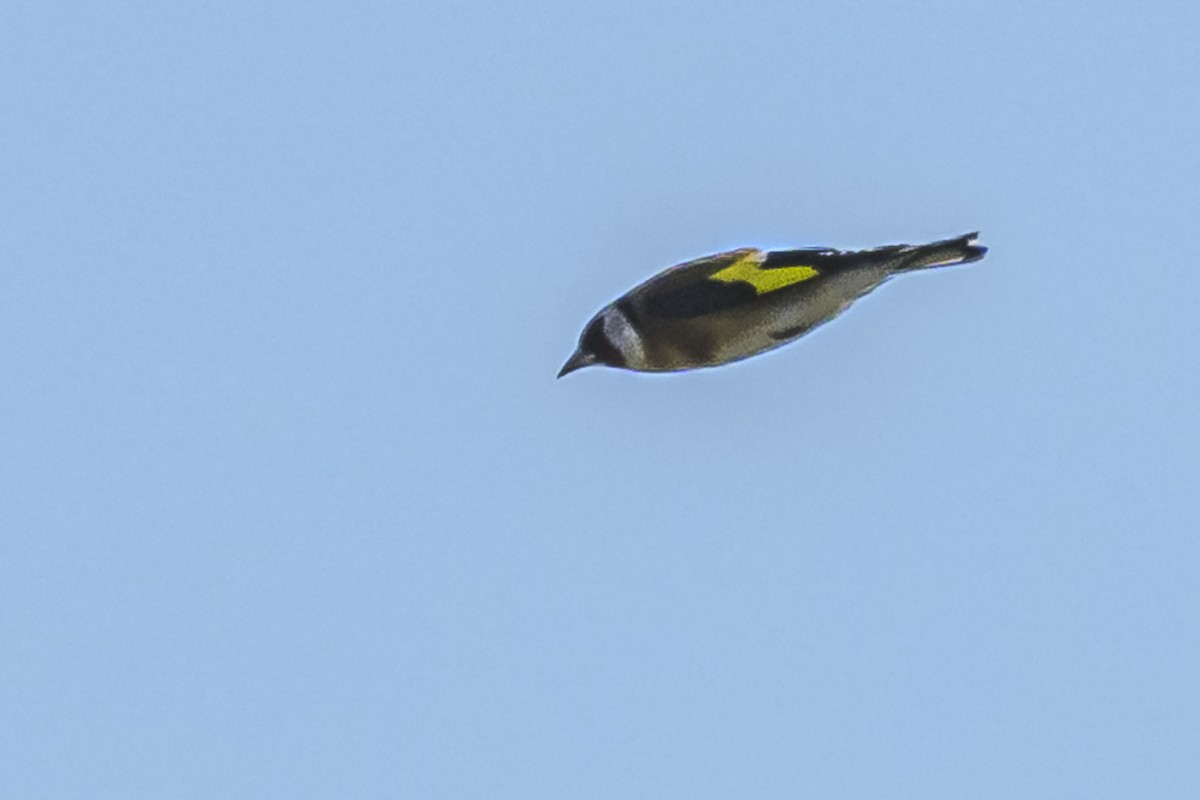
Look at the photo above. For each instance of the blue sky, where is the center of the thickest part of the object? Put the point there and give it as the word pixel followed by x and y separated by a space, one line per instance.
pixel 292 505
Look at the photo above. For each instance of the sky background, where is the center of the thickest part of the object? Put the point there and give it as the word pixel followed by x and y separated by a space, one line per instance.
pixel 291 504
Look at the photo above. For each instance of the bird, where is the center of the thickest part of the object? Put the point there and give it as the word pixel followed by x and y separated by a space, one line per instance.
pixel 726 307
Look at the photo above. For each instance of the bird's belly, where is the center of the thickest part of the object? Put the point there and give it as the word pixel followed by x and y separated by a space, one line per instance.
pixel 775 321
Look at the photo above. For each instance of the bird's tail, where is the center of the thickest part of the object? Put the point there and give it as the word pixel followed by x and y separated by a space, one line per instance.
pixel 946 253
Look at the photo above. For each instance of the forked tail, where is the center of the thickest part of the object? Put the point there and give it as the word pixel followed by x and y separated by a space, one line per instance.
pixel 946 253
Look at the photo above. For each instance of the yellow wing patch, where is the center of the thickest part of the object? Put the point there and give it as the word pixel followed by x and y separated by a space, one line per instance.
pixel 748 270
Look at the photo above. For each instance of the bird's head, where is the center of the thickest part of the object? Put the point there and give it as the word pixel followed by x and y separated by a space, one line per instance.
pixel 609 339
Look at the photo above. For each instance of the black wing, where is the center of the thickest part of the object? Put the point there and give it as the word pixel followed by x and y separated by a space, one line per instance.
pixel 693 293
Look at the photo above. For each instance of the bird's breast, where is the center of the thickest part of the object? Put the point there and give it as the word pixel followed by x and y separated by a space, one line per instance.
pixel 772 320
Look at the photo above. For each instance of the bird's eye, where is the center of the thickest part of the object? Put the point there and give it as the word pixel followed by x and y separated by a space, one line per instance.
pixel 596 342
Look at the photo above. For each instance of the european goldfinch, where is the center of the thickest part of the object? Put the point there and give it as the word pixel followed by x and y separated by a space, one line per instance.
pixel 734 305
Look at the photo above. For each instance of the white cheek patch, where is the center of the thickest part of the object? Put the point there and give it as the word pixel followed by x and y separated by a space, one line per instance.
pixel 620 331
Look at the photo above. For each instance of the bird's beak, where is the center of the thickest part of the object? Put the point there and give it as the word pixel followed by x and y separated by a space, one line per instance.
pixel 578 360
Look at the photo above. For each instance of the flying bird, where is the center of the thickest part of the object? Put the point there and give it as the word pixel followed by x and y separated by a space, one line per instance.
pixel 729 306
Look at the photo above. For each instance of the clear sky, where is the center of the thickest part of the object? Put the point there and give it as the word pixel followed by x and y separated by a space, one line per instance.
pixel 291 504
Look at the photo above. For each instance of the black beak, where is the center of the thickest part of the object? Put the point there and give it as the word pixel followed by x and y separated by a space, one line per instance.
pixel 578 360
